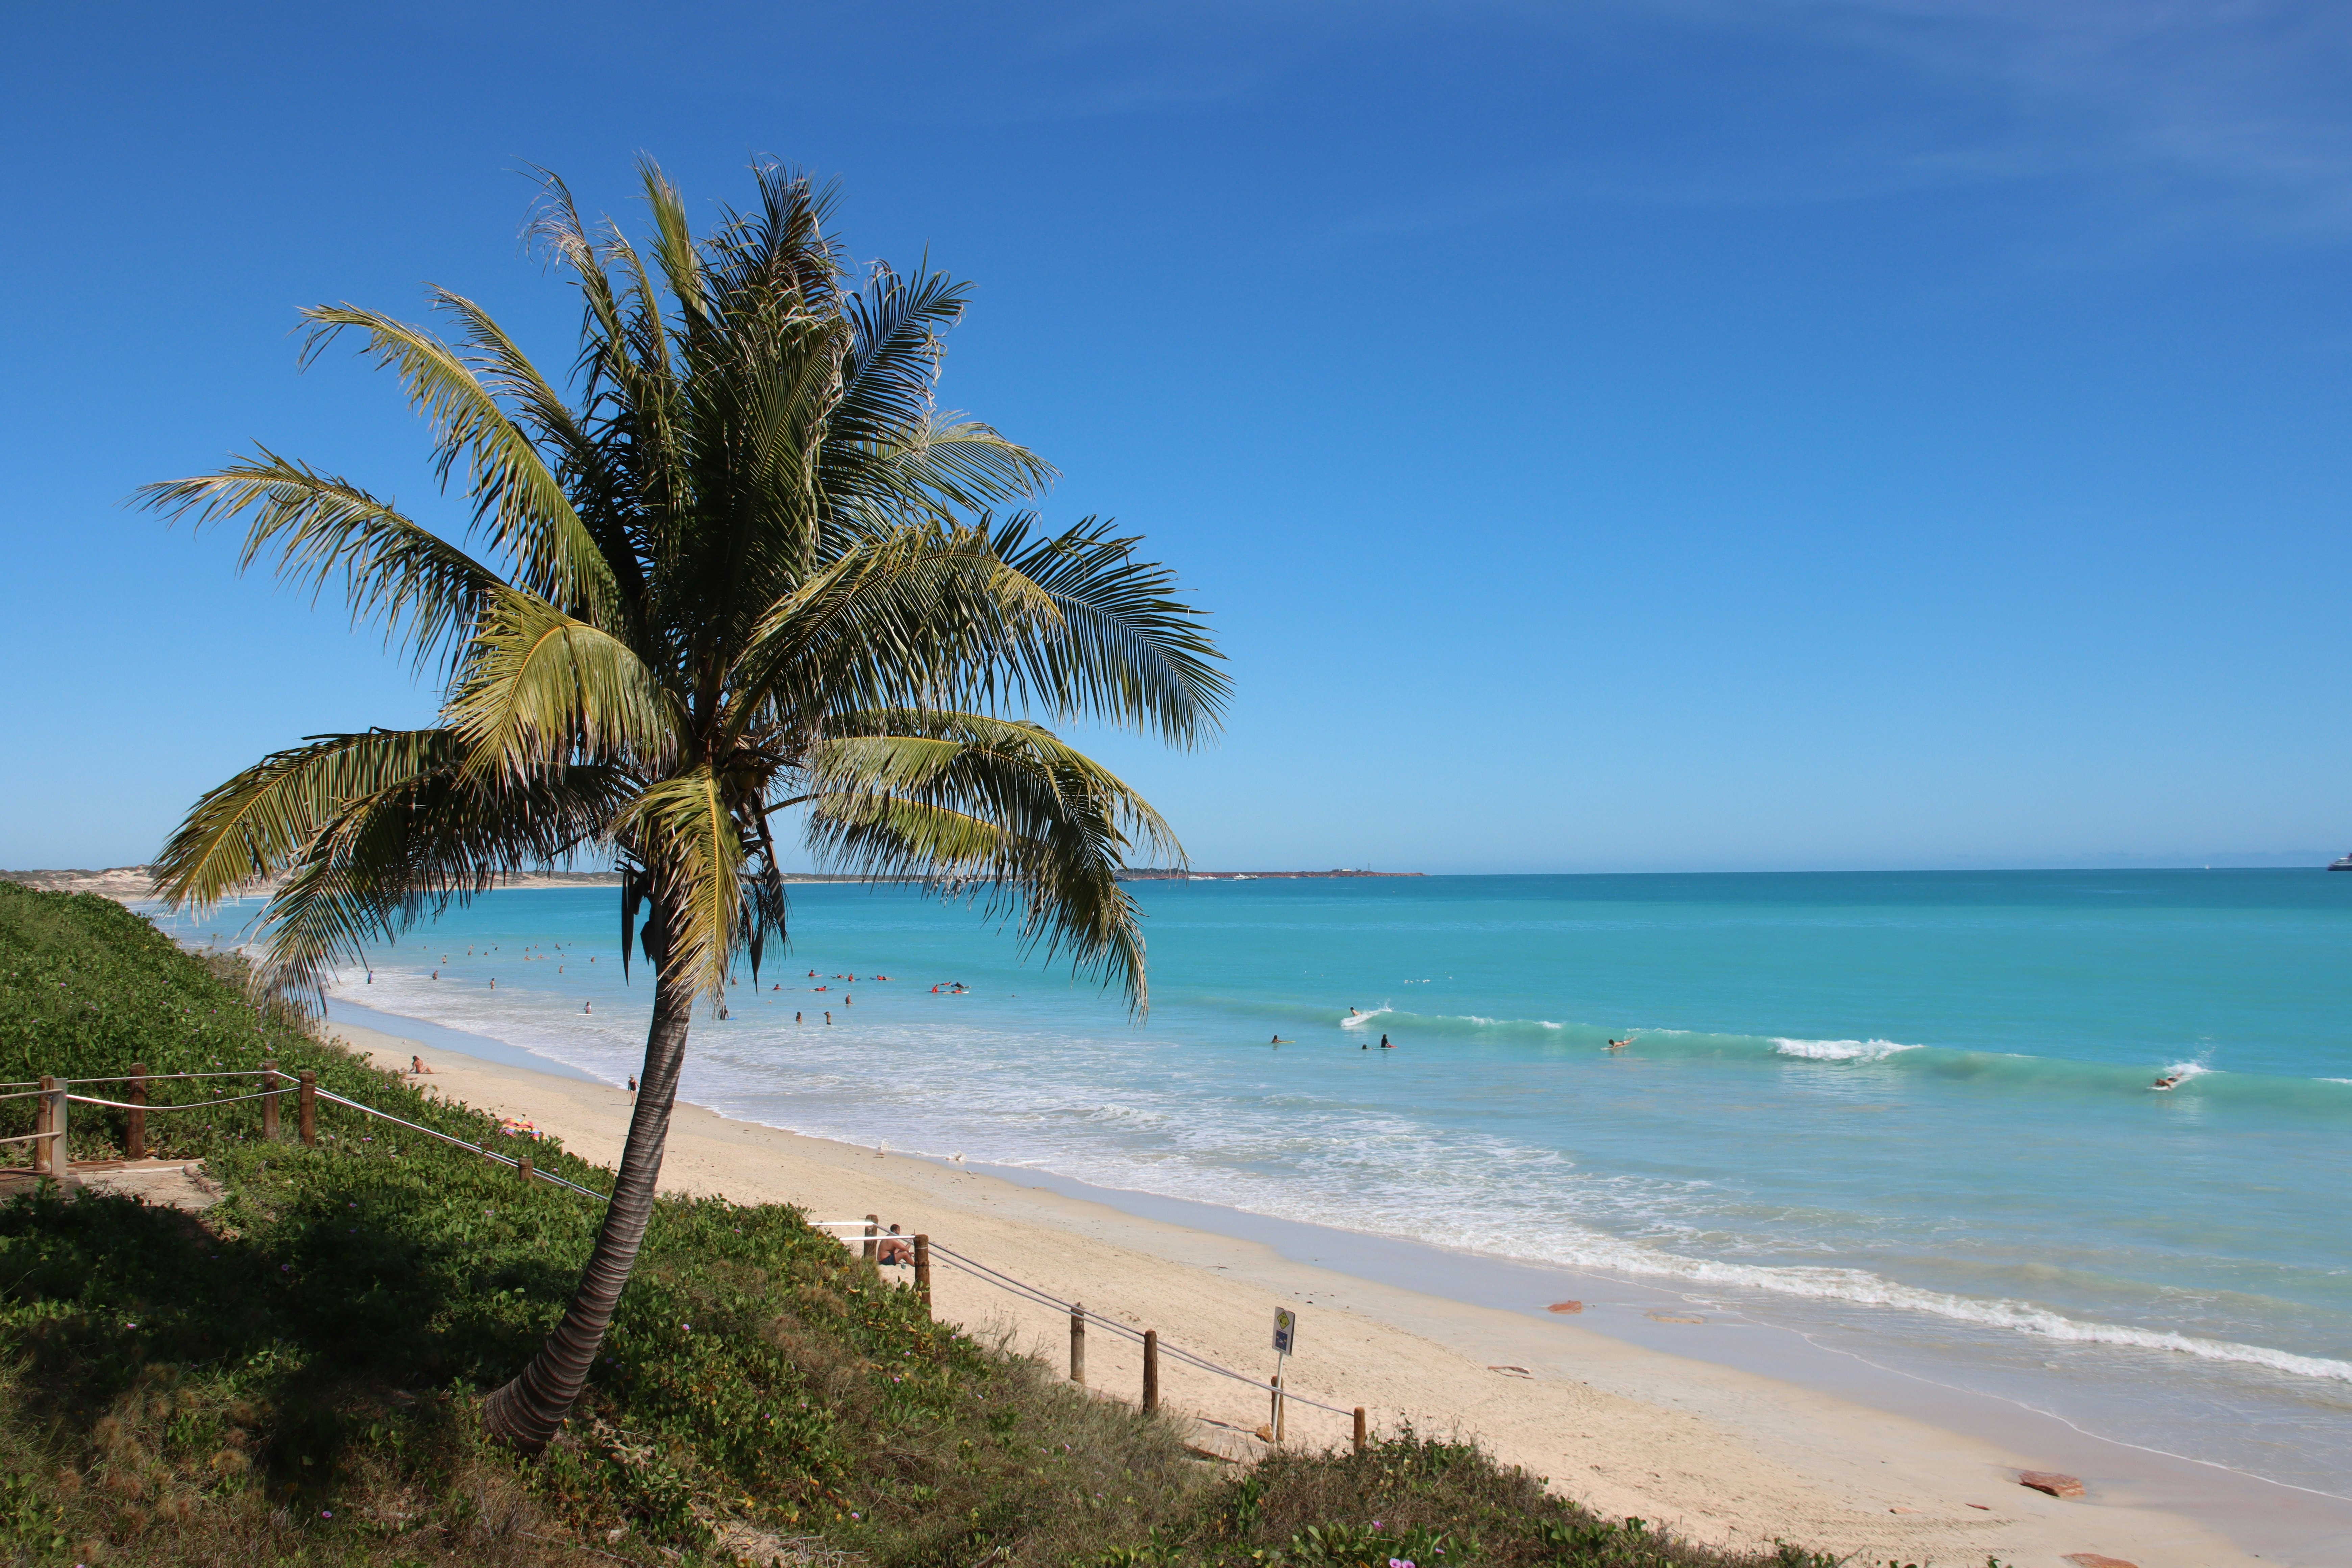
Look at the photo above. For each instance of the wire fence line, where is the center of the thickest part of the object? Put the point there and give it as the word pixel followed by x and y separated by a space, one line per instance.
pixel 483 1150
pixel 1022 1288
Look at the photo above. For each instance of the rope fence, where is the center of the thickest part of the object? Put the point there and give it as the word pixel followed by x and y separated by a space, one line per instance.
pixel 181 1105
pixel 57 1094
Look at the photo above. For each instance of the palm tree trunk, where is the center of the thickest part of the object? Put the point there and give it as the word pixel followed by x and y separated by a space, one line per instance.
pixel 527 1411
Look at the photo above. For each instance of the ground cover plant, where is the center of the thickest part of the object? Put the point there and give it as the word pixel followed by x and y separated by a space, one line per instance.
pixel 296 1375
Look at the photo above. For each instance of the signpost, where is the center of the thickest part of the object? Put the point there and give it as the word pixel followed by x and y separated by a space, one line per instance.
pixel 1285 1340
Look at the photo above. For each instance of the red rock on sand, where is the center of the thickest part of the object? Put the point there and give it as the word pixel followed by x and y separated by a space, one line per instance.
pixel 2049 1481
pixel 2096 1560
pixel 1565 1307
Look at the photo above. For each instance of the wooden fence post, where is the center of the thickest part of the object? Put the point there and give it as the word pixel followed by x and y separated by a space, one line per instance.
pixel 306 1116
pixel 1078 1344
pixel 134 1138
pixel 1360 1428
pixel 522 1169
pixel 923 1271
pixel 269 1100
pixel 1150 1370
pixel 45 1120
pixel 1276 1422
pixel 59 1110
pixel 873 1229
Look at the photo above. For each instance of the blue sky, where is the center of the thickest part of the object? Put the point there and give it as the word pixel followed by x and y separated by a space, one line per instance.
pixel 1670 436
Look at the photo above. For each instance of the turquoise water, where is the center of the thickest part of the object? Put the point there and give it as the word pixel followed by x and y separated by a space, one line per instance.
pixel 1904 1112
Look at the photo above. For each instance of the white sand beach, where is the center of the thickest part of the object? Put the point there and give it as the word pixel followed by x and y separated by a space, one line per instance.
pixel 1720 1454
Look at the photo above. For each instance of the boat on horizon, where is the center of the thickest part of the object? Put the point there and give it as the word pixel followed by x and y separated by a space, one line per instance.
pixel 2343 865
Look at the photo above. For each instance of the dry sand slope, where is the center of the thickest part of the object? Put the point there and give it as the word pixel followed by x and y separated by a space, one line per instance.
pixel 1721 1455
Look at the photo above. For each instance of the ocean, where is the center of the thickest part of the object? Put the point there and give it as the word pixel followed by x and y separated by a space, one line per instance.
pixel 1908 1116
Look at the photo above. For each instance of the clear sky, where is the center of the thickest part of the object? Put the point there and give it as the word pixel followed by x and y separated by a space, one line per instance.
pixel 1678 435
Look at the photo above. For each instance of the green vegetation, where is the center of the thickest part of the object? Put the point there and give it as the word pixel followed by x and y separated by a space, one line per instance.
pixel 294 1377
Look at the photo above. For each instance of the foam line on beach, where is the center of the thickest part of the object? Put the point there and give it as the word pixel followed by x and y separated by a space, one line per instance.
pixel 1863 1287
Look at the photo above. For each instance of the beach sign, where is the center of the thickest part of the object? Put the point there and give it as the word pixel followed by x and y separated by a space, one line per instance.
pixel 1286 1330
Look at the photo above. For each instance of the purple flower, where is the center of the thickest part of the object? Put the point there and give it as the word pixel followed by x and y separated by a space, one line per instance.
pixel 325 1514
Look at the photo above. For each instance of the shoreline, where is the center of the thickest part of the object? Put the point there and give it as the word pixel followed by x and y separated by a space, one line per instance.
pixel 1723 1452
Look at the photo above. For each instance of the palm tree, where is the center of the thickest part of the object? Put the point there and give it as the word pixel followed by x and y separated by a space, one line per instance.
pixel 749 568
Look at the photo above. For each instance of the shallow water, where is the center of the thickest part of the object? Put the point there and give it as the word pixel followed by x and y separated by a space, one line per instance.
pixel 1907 1113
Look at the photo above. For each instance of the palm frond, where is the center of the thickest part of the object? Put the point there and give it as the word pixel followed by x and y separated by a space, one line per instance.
pixel 397 854
pixel 265 818
pixel 999 808
pixel 1121 644
pixel 685 828
pixel 914 615
pixel 516 495
pixel 541 690
pixel 421 589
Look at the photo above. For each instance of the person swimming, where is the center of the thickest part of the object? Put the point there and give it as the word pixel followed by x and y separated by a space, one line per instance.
pixel 1620 1045
pixel 2165 1082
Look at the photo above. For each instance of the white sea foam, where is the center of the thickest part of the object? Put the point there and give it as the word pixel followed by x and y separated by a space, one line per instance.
pixel 1865 1289
pixel 1840 1051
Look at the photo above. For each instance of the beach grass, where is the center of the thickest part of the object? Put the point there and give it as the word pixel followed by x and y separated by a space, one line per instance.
pixel 292 1376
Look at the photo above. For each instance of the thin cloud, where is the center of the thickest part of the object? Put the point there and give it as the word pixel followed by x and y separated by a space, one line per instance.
pixel 2158 123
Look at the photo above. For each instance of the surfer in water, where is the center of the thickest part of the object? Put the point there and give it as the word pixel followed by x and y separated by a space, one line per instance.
pixel 2164 1085
pixel 1384 1043
pixel 1620 1045
pixel 1280 1041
